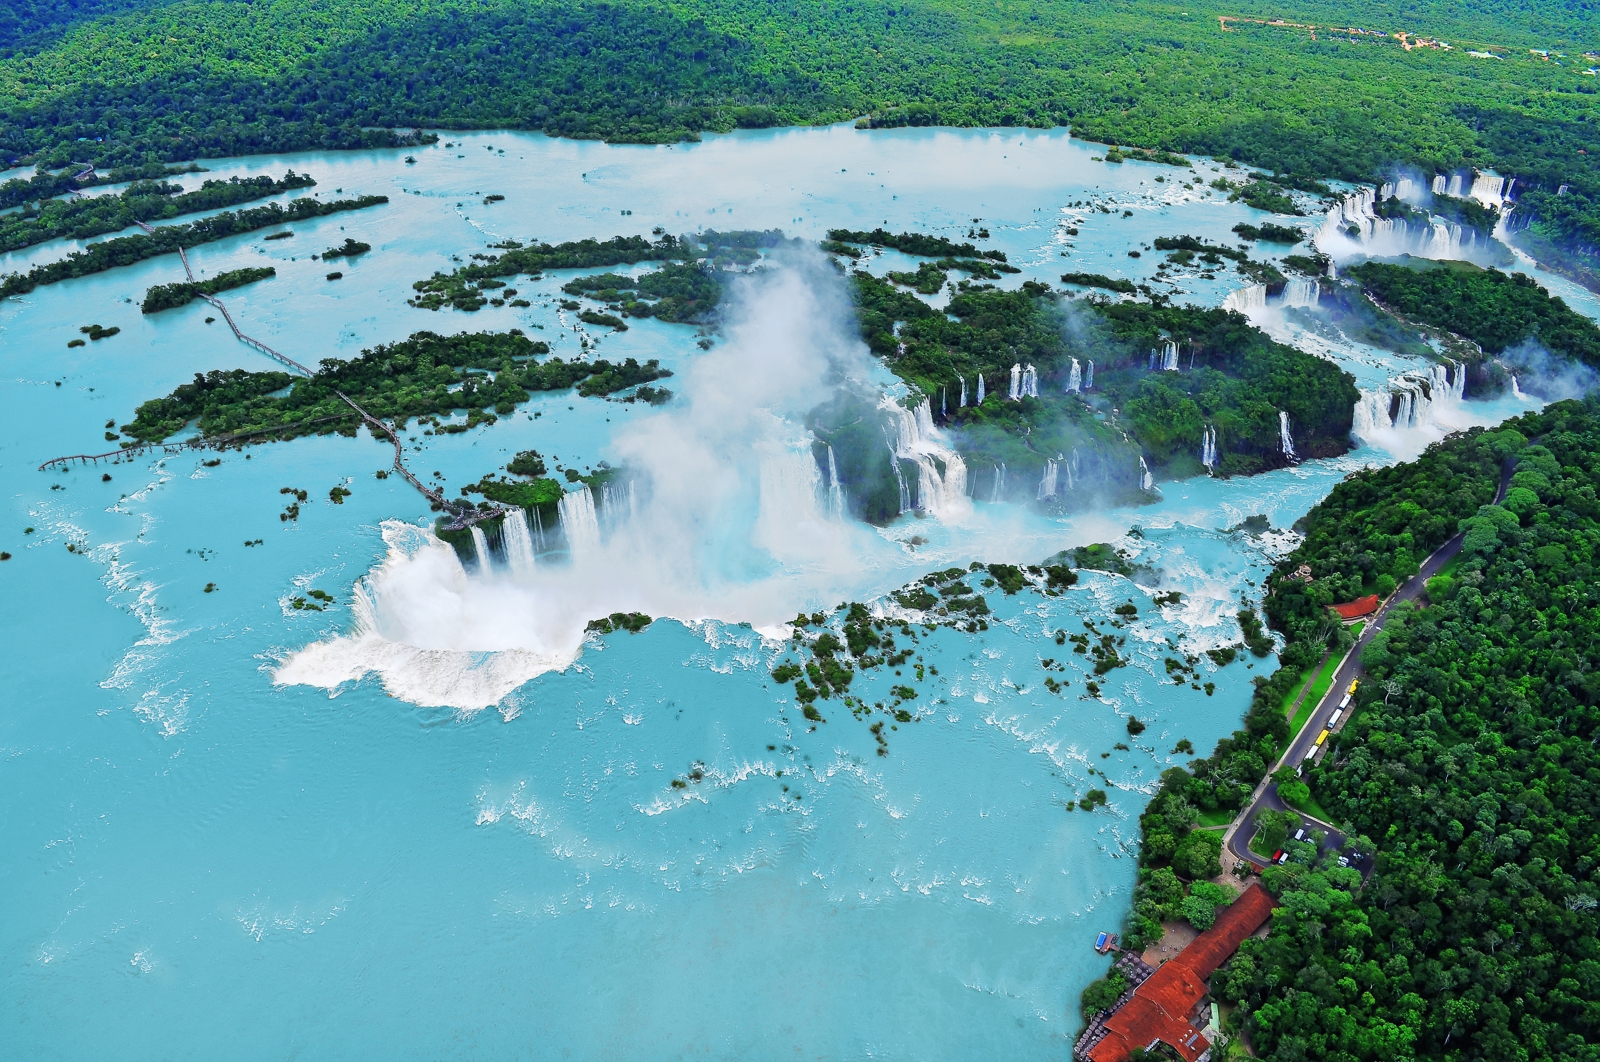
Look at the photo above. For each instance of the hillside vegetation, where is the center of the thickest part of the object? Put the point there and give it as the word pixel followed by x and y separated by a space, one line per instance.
pixel 225 77
pixel 1469 769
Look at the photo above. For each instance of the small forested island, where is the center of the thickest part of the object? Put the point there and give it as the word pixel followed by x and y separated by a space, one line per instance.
pixel 425 376
pixel 350 248
pixel 422 376
pixel 1463 778
pixel 170 296
pixel 167 239
pixel 84 217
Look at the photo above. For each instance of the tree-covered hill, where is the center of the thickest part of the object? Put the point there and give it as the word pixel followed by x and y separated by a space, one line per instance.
pixel 215 76
pixel 1493 309
pixel 1469 768
pixel 119 81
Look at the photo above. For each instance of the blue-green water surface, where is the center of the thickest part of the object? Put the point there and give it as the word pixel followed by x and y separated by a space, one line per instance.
pixel 205 859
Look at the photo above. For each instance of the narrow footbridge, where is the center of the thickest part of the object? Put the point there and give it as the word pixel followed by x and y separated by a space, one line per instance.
pixel 461 517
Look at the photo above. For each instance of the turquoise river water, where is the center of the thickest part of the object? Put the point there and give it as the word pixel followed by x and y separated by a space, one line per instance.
pixel 435 821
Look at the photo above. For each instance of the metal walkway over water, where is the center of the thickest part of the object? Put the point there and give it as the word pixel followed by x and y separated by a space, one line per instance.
pixel 461 517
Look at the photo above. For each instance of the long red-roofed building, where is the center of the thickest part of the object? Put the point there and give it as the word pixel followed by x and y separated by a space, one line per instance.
pixel 1361 606
pixel 1164 1007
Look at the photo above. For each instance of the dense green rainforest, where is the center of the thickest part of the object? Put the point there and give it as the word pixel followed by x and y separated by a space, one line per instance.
pixel 1469 768
pixel 122 82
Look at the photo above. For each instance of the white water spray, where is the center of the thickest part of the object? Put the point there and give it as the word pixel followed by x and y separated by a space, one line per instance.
pixel 1247 300
pixel 1413 401
pixel 1353 227
pixel 1169 357
pixel 518 540
pixel 1301 291
pixel 836 503
pixel 1047 482
pixel 731 520
pixel 1088 378
pixel 579 522
pixel 480 546
pixel 1074 378
pixel 939 493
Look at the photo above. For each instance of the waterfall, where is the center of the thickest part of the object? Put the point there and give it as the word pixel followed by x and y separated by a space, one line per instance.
pixel 1438 184
pixel 1488 189
pixel 1208 448
pixel 1446 239
pixel 1015 391
pixel 1285 440
pixel 1074 378
pixel 944 414
pixel 518 542
pixel 1146 480
pixel 999 482
pixel 1354 217
pixel 1516 390
pixel 616 503
pixel 1411 400
pixel 1247 300
pixel 480 546
pixel 1301 291
pixel 1169 356
pixel 1047 483
pixel 791 490
pixel 1088 379
pixel 918 441
pixel 1371 414
pixel 538 528
pixel 980 389
pixel 579 523
pixel 963 402
pixel 1074 469
pixel 1455 187
pixel 899 476
pixel 835 491
pixel 1030 382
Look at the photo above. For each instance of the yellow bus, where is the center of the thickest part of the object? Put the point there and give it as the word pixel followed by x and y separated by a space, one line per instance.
pixel 1320 739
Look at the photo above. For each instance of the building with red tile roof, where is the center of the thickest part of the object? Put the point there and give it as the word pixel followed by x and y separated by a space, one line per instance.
pixel 1361 606
pixel 1165 1006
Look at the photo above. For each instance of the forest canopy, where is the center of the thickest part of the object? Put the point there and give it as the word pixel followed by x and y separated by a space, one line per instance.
pixel 1468 769
pixel 158 82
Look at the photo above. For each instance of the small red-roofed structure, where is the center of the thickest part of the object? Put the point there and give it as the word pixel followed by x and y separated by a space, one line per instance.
pixel 1361 606
pixel 1164 1007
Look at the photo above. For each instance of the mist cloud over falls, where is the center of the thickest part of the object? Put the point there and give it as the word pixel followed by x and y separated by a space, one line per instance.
pixel 728 520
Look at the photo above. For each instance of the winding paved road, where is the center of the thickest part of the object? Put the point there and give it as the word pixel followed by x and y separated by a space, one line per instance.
pixel 1236 840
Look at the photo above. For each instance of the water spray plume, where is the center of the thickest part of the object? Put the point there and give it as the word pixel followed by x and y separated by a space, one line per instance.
pixel 729 517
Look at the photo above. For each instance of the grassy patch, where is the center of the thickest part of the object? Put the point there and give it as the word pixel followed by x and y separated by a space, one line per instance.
pixel 1220 817
pixel 1310 807
pixel 1314 697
